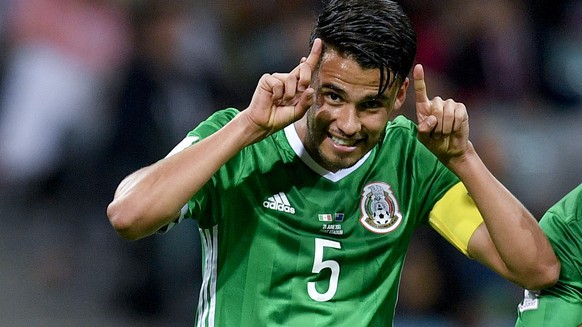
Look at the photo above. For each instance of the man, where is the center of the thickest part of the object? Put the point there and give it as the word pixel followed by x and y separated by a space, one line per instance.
pixel 307 199
pixel 561 304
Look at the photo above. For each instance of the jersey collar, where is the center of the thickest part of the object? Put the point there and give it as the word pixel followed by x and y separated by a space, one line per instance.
pixel 299 149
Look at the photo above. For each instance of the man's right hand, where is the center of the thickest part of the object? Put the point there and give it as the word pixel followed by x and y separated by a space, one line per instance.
pixel 281 99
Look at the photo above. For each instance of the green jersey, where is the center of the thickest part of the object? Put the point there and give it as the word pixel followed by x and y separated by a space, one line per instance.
pixel 561 304
pixel 288 243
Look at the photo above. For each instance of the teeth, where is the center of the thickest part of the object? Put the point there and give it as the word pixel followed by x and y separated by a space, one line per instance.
pixel 343 141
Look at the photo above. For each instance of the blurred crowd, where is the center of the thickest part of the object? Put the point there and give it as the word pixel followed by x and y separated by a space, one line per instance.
pixel 91 90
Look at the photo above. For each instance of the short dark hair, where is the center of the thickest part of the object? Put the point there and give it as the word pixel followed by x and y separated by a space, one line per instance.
pixel 375 33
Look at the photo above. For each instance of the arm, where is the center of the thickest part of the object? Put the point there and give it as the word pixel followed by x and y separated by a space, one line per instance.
pixel 510 241
pixel 153 196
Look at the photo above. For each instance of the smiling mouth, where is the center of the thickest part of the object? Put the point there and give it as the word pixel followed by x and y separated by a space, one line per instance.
pixel 343 141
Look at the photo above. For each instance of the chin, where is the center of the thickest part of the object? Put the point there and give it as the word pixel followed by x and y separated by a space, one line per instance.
pixel 336 163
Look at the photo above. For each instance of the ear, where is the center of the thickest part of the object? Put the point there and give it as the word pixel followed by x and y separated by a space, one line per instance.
pixel 401 94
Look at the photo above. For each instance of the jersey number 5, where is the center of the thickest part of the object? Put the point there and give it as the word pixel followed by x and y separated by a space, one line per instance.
pixel 318 265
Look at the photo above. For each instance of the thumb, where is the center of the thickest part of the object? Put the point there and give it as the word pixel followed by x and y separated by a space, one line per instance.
pixel 425 128
pixel 304 103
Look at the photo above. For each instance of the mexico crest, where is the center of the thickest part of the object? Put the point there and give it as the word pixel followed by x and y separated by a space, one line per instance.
pixel 380 212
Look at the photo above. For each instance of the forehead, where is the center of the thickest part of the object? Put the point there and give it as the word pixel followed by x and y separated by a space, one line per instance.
pixel 345 73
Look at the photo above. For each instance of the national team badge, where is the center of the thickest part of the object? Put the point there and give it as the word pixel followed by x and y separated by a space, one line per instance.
pixel 380 212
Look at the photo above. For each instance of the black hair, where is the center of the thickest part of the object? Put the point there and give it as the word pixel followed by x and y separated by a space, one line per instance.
pixel 375 33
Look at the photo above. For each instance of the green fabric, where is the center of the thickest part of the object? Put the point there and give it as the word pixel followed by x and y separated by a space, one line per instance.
pixel 560 305
pixel 289 244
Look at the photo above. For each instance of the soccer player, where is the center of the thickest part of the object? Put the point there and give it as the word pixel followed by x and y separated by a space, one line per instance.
pixel 561 304
pixel 307 199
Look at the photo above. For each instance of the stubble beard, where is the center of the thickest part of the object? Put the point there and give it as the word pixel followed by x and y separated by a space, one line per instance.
pixel 315 139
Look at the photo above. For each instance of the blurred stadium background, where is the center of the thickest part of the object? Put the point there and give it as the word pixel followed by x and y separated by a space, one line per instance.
pixel 91 90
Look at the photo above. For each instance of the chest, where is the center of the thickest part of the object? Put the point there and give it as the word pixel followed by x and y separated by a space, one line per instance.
pixel 367 207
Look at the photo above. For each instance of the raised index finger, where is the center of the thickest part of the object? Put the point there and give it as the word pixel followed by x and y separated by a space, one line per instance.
pixel 419 84
pixel 305 69
pixel 315 53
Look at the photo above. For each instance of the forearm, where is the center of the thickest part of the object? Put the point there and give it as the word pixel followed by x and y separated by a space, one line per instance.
pixel 153 196
pixel 524 250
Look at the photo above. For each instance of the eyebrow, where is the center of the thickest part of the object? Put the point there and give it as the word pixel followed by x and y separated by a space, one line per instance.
pixel 372 97
pixel 376 97
pixel 333 87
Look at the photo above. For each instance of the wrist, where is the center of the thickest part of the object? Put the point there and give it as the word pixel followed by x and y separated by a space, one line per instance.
pixel 245 131
pixel 462 164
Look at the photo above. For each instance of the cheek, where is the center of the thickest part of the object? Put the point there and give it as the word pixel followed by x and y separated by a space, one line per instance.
pixel 321 114
pixel 375 125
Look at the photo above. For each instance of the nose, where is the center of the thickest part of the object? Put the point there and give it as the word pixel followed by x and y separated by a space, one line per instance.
pixel 348 120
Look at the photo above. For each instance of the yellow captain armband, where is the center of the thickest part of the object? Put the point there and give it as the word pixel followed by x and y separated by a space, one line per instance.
pixel 455 217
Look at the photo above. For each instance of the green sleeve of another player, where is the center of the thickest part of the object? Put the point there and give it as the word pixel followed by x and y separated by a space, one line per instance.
pixel 561 304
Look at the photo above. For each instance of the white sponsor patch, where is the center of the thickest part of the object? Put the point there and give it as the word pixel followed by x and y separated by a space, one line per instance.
pixel 530 301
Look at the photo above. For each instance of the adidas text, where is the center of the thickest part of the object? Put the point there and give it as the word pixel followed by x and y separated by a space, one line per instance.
pixel 278 206
pixel 279 202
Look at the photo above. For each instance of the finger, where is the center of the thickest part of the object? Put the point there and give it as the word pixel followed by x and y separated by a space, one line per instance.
pixel 461 127
pixel 308 65
pixel 287 88
pixel 461 117
pixel 449 116
pixel 437 111
pixel 291 86
pixel 313 58
pixel 419 84
pixel 425 129
pixel 305 72
pixel 274 84
pixel 305 101
pixel 299 79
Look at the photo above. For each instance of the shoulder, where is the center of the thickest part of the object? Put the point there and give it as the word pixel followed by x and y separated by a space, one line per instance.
pixel 213 123
pixel 402 123
pixel 401 128
pixel 223 116
pixel 401 132
pixel 567 210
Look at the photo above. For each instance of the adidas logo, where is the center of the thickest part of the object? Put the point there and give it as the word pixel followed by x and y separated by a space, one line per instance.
pixel 279 202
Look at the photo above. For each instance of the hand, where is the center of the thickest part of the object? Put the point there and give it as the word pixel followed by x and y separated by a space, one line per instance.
pixel 443 125
pixel 281 99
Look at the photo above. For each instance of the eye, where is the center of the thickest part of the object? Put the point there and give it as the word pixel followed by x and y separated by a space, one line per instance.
pixel 333 97
pixel 372 104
